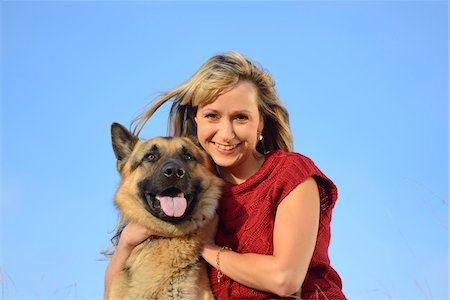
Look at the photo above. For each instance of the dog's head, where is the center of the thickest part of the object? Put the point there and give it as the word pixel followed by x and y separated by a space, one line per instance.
pixel 167 182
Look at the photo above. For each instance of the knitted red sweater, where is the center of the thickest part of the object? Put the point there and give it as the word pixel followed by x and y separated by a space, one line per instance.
pixel 247 217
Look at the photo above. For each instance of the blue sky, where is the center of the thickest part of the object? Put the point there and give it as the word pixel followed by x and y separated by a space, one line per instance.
pixel 366 84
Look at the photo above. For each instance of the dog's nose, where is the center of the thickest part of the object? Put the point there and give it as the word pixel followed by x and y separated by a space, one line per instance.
pixel 172 170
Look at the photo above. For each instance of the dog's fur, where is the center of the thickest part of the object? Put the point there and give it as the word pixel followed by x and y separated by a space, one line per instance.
pixel 164 167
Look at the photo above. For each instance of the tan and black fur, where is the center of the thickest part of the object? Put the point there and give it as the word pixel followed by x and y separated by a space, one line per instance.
pixel 161 267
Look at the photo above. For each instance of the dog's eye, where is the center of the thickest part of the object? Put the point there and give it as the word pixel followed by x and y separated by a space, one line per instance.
pixel 150 157
pixel 187 156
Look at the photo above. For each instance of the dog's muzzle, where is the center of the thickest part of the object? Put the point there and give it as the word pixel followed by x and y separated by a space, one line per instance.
pixel 168 194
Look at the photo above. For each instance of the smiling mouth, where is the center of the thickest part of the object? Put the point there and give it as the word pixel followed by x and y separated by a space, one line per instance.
pixel 225 147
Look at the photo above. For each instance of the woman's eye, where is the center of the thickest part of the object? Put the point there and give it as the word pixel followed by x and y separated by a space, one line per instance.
pixel 241 118
pixel 211 116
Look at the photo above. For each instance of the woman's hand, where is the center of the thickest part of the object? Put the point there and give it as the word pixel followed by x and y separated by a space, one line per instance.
pixel 210 231
pixel 210 248
pixel 133 234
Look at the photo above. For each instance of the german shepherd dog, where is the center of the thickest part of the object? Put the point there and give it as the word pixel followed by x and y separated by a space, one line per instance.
pixel 167 185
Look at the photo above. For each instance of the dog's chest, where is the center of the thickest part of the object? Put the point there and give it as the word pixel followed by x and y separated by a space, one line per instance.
pixel 165 267
pixel 169 253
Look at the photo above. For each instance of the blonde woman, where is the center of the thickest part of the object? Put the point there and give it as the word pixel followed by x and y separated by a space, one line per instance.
pixel 271 236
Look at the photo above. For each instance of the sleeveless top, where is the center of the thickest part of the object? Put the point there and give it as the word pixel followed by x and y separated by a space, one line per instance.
pixel 247 218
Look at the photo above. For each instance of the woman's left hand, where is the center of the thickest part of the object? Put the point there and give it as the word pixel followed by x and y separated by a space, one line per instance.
pixel 211 230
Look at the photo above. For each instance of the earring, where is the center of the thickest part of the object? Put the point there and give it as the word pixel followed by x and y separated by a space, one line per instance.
pixel 261 148
pixel 260 136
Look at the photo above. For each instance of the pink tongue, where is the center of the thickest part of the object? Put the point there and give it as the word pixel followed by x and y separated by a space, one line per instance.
pixel 173 206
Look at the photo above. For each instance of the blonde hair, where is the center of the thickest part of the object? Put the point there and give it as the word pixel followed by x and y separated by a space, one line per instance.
pixel 217 75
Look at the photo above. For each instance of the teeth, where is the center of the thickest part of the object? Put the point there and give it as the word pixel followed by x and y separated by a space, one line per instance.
pixel 223 147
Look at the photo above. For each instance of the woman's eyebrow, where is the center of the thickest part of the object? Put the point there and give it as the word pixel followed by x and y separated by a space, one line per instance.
pixel 234 112
pixel 209 110
pixel 242 111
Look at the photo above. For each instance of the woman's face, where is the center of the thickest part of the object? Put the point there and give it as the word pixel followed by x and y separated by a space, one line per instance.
pixel 228 130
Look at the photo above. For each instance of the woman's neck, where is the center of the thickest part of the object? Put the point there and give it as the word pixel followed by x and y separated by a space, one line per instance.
pixel 239 174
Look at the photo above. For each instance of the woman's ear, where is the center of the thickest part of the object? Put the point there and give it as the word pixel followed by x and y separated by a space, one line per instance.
pixel 261 123
pixel 193 115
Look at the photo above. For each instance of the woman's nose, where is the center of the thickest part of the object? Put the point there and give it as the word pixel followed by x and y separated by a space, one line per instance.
pixel 227 131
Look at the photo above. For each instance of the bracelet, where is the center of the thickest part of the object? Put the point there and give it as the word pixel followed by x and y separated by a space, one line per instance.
pixel 219 272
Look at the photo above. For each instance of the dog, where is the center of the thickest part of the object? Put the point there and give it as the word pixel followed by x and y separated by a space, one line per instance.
pixel 167 185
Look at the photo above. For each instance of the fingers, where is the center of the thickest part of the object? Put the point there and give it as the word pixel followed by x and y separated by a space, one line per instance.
pixel 133 234
pixel 210 230
pixel 215 220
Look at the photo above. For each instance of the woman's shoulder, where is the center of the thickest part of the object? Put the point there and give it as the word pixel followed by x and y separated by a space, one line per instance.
pixel 294 168
pixel 293 160
pixel 290 168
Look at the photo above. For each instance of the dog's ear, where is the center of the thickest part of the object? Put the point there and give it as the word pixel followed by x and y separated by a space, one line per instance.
pixel 123 143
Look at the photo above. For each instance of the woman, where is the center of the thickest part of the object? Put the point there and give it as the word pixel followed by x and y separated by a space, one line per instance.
pixel 272 233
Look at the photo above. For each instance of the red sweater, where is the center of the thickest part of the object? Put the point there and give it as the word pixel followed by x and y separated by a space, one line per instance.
pixel 247 218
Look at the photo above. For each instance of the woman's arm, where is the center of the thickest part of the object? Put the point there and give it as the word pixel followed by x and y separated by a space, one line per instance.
pixel 295 233
pixel 132 235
